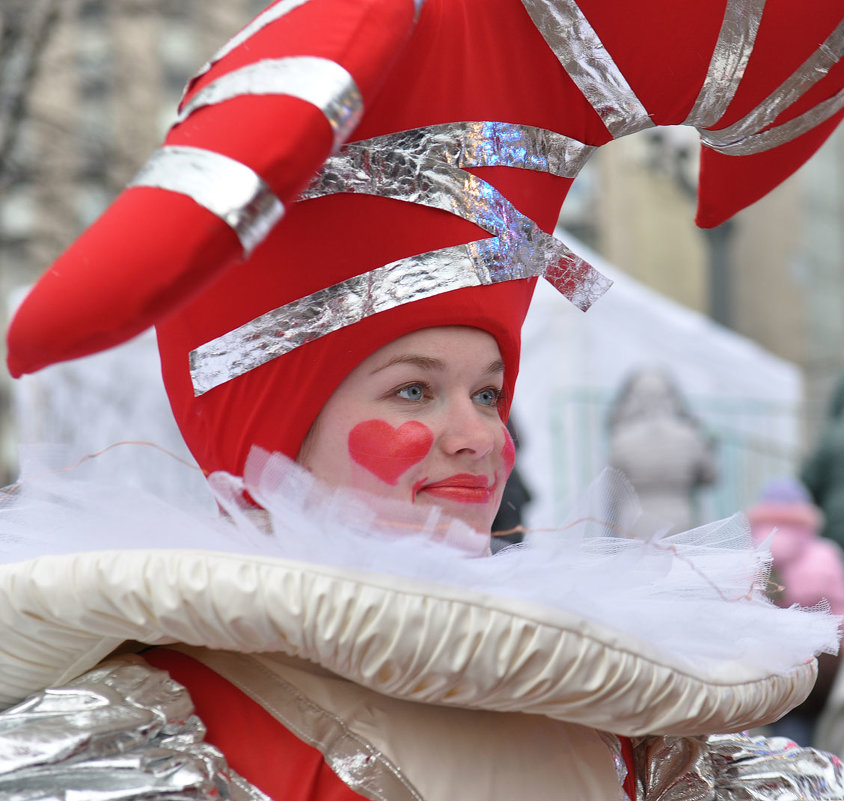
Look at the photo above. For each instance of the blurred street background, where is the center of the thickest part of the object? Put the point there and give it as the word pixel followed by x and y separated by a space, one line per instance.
pixel 748 318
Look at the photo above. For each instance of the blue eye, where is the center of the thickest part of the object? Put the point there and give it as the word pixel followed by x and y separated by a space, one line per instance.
pixel 412 392
pixel 488 397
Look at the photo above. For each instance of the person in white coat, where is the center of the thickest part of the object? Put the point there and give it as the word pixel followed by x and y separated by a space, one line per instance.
pixel 662 448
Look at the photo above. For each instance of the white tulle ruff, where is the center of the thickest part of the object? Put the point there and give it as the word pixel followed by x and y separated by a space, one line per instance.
pixel 698 597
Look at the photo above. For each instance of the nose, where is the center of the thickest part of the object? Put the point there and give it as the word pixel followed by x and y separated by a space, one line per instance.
pixel 469 431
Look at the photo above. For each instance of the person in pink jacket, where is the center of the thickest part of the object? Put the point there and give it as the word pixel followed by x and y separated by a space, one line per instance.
pixel 807 570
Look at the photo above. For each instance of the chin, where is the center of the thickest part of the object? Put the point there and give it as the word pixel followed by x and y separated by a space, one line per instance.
pixel 475 519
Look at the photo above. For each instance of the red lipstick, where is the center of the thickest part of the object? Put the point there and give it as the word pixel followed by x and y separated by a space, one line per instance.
pixel 463 488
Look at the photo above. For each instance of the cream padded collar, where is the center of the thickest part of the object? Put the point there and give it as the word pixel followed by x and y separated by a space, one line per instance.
pixel 405 638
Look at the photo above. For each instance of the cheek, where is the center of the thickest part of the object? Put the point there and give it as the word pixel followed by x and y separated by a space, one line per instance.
pixel 388 452
pixel 508 452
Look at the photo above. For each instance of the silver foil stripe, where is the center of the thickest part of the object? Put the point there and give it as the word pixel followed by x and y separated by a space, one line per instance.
pixel 781 134
pixel 319 81
pixel 816 67
pixel 369 168
pixel 374 167
pixel 358 764
pixel 424 182
pixel 729 61
pixel 304 320
pixel 123 728
pixel 227 188
pixel 520 249
pixel 584 57
pixel 266 17
pixel 490 144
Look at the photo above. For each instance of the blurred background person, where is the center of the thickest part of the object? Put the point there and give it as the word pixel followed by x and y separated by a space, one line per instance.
pixel 806 570
pixel 823 472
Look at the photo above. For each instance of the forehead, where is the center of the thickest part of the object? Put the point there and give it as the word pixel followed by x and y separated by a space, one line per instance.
pixel 451 345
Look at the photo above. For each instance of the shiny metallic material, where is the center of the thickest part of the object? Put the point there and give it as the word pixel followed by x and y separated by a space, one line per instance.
pixel 729 60
pixel 584 57
pixel 266 17
pixel 614 744
pixel 476 263
pixel 734 767
pixel 122 730
pixel 360 765
pixel 426 166
pixel 780 134
pixel 732 139
pixel 323 83
pixel 484 144
pixel 227 188
pixel 422 181
pixel 423 167
pixel 757 768
pixel 674 769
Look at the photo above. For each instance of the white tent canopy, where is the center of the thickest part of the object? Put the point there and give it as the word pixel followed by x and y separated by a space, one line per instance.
pixel 574 363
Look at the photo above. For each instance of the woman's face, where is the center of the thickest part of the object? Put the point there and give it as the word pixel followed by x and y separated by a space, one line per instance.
pixel 418 420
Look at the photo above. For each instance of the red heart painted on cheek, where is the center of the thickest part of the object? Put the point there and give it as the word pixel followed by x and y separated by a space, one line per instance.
pixel 386 451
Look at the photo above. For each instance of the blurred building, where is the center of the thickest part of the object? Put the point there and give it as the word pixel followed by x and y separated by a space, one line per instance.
pixel 107 77
pixel 775 273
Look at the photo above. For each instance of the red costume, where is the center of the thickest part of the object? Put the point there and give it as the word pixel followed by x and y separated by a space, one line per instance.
pixel 465 122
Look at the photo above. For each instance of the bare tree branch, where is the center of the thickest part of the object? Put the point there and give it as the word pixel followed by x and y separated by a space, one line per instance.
pixel 25 27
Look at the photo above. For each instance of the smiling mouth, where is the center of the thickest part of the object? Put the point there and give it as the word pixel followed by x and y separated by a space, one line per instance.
pixel 463 488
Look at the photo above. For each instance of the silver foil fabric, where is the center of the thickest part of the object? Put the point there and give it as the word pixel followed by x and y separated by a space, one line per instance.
pixel 743 136
pixel 123 730
pixel 614 745
pixel 375 170
pixel 323 83
pixel 232 191
pixel 756 768
pixel 288 327
pixel 486 144
pixel 729 60
pixel 584 57
pixel 673 769
pixel 425 167
pixel 779 134
pixel 734 767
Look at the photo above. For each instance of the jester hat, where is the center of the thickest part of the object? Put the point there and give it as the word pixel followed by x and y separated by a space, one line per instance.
pixel 344 171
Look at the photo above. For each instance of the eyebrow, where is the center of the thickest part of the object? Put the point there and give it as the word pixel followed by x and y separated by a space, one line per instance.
pixel 429 363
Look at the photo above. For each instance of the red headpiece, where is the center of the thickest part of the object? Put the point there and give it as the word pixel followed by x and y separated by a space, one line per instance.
pixel 274 404
pixel 465 123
